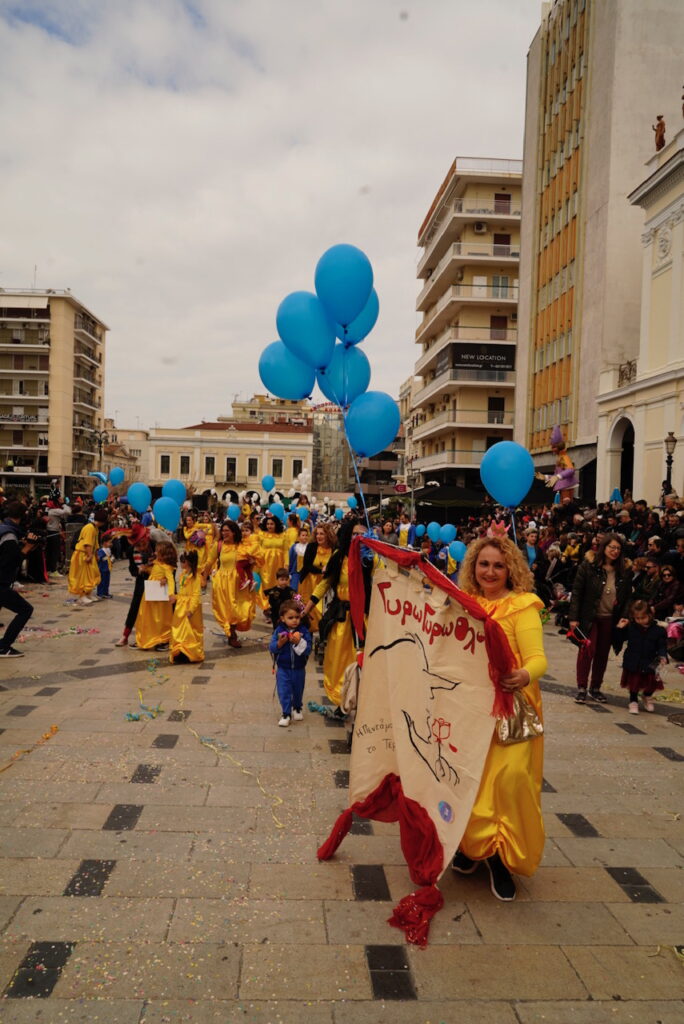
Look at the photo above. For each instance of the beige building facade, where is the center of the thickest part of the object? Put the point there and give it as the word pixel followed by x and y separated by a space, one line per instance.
pixel 469 273
pixel 642 402
pixel 52 365
pixel 597 73
pixel 332 472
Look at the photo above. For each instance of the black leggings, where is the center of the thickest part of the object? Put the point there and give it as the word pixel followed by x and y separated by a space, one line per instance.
pixel 14 602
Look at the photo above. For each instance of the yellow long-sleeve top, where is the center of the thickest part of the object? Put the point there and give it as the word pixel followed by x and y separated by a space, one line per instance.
pixel 326 583
pixel 518 616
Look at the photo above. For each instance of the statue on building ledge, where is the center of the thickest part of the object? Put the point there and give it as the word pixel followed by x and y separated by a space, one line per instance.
pixel 564 478
pixel 659 129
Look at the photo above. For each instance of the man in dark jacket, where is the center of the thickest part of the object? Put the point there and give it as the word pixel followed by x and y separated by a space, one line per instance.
pixel 12 551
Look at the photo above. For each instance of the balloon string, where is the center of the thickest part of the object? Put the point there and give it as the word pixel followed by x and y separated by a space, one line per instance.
pixel 512 511
pixel 351 452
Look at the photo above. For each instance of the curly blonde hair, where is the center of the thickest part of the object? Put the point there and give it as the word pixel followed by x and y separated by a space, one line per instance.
pixel 520 579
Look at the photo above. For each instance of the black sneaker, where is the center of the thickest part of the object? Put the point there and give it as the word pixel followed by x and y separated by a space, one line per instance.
pixel 464 865
pixel 162 647
pixel 502 884
pixel 581 697
pixel 11 652
pixel 598 696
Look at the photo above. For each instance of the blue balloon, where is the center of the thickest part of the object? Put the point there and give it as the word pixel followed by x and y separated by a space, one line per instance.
pixel 306 329
pixel 447 533
pixel 303 512
pixel 102 477
pixel 363 324
pixel 101 493
pixel 420 530
pixel 339 513
pixel 351 501
pixel 268 483
pixel 139 496
pixel 276 508
pixel 433 531
pixel 457 550
pixel 167 513
pixel 116 476
pixel 344 279
pixel 507 471
pixel 175 490
pixel 372 423
pixel 346 376
pixel 234 512
pixel 283 374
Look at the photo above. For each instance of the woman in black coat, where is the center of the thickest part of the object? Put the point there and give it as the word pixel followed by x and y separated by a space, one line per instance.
pixel 600 595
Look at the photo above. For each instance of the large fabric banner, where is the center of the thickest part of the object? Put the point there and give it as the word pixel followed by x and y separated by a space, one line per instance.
pixel 424 720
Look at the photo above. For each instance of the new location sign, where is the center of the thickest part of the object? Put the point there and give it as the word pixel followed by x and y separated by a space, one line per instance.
pixel 483 357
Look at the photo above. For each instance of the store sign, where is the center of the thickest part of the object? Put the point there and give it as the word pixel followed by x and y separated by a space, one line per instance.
pixel 483 357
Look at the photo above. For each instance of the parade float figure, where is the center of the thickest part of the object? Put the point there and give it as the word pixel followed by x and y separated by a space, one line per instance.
pixel 564 478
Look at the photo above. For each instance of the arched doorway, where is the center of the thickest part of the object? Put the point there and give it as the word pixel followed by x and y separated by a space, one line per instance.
pixel 620 456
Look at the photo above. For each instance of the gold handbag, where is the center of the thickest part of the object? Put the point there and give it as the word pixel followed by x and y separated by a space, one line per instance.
pixel 524 724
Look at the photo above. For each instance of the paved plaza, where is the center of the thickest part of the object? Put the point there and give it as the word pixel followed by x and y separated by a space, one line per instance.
pixel 164 869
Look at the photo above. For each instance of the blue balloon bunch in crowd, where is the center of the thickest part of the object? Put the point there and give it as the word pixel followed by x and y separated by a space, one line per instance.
pixel 167 509
pixel 318 338
pixel 101 491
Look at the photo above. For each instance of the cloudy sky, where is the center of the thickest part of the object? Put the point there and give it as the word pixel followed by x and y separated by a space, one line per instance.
pixel 182 164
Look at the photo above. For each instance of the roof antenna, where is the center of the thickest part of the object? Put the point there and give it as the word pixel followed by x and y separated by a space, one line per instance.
pixel 35 275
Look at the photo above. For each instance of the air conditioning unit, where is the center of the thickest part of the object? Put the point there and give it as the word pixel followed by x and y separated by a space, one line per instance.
pixel 479 227
pixel 460 274
pixel 514 318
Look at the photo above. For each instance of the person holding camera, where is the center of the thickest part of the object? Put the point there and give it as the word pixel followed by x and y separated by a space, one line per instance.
pixel 13 549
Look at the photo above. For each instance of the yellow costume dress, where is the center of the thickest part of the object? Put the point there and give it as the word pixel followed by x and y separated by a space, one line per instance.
pixel 211 544
pixel 291 537
pixel 153 624
pixel 231 606
pixel 339 647
pixel 308 585
pixel 506 816
pixel 274 553
pixel 204 551
pixel 84 576
pixel 187 627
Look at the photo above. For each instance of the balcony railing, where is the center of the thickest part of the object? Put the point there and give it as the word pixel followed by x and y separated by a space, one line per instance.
pixel 466 252
pixel 464 418
pixel 25 418
pixel 19 396
pixel 460 333
pixel 463 377
pixel 452 457
pixel 458 294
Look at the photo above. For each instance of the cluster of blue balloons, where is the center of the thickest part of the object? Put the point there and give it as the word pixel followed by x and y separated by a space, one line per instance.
pixel 507 472
pixel 318 335
pixel 101 491
pixel 167 509
pixel 446 535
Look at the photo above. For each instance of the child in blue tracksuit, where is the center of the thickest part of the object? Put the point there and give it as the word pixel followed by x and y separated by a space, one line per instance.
pixel 104 564
pixel 290 646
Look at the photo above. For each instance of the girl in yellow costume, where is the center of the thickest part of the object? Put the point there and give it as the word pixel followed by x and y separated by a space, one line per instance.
pixel 191 528
pixel 211 533
pixel 340 648
pixel 314 564
pixel 506 829
pixel 187 627
pixel 274 552
pixel 84 574
pixel 234 608
pixel 153 624
pixel 291 531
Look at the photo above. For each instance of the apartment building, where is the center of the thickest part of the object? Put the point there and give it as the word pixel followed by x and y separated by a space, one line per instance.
pixel 598 72
pixel 52 358
pixel 468 329
pixel 332 473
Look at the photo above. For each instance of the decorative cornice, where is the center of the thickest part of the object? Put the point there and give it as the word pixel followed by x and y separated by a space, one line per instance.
pixel 657 183
pixel 668 219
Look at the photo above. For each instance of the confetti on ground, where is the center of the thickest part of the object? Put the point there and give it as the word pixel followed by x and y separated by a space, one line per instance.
pixel 671 697
pixel 145 711
pixel 41 633
pixel 18 754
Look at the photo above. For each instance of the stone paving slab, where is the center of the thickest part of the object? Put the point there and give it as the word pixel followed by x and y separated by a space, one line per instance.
pixel 240 1011
pixel 595 1012
pixel 64 1011
pixel 66 918
pixel 610 972
pixel 277 971
pixel 254 921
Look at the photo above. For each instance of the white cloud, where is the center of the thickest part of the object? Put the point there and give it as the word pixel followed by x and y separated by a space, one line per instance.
pixel 182 164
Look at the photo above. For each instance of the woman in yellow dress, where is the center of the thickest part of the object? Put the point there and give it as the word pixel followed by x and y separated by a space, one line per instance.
pixel 211 534
pixel 187 627
pixel 84 574
pixel 153 624
pixel 234 608
pixel 506 829
pixel 273 548
pixel 291 531
pixel 314 564
pixel 341 644
pixel 197 539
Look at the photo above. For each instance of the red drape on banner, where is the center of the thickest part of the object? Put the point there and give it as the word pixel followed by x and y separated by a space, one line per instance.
pixel 499 653
pixel 420 845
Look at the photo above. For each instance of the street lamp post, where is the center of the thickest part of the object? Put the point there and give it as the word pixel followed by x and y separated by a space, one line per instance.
pixel 101 438
pixel 670 443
